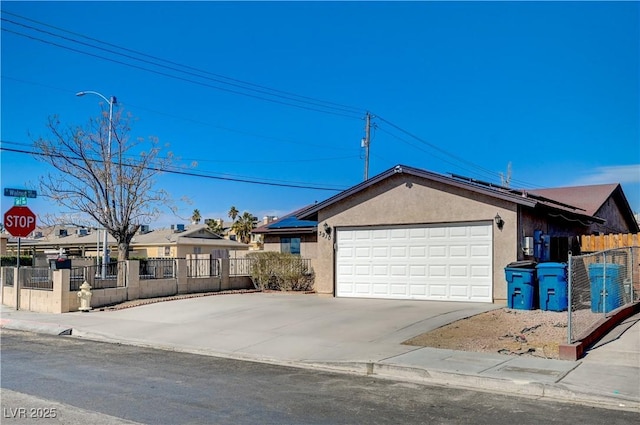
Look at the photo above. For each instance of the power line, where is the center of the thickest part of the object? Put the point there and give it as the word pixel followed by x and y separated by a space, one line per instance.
pixel 235 80
pixel 188 119
pixel 303 102
pixel 330 106
pixel 191 174
pixel 481 169
pixel 180 78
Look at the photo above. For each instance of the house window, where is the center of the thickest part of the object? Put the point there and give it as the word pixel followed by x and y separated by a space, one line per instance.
pixel 290 245
pixel 167 251
pixel 197 250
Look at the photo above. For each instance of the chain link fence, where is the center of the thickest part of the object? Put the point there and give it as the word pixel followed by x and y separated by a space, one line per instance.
pixel 598 284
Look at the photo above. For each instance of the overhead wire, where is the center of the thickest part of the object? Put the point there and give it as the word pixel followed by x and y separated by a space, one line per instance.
pixel 247 83
pixel 200 83
pixel 303 102
pixel 192 120
pixel 479 169
pixel 240 179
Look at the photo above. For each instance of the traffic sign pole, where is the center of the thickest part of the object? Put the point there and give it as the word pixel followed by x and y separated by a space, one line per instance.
pixel 16 284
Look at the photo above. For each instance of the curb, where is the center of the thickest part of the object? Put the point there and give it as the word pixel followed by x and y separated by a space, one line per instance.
pixel 37 327
pixel 524 388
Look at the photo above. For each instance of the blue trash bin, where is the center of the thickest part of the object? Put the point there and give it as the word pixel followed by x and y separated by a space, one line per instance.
pixel 606 287
pixel 521 285
pixel 552 286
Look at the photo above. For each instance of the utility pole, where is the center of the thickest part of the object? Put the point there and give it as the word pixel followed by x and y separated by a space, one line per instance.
pixel 365 144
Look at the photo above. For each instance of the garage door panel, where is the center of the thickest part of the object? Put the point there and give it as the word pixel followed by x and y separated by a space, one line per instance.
pixel 459 271
pixel 480 271
pixel 436 233
pixel 461 251
pixel 459 290
pixel 397 289
pixel 437 291
pixel 418 290
pixel 482 251
pixel 437 251
pixel 398 252
pixel 452 262
pixel 437 271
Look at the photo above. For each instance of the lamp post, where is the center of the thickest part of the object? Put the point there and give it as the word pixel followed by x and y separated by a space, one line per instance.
pixel 111 102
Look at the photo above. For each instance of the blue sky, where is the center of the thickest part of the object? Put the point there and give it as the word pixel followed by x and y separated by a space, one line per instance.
pixel 551 88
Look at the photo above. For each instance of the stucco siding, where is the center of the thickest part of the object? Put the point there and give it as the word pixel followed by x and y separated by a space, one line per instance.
pixel 410 200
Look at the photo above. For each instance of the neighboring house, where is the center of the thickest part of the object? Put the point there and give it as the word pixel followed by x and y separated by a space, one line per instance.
pixel 606 201
pixel 289 235
pixel 412 234
pixel 174 242
pixel 177 242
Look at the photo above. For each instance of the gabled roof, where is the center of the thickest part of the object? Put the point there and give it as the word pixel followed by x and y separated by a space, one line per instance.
pixel 198 231
pixel 191 235
pixel 403 169
pixel 495 191
pixel 589 198
pixel 580 201
pixel 592 198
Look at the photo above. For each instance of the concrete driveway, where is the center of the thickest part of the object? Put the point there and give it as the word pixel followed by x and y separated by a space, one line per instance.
pixel 273 326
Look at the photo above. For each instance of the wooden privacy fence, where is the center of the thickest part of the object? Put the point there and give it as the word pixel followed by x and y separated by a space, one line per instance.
pixel 595 243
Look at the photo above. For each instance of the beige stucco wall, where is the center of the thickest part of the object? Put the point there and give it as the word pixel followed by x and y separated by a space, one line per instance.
pixel 404 199
pixel 3 244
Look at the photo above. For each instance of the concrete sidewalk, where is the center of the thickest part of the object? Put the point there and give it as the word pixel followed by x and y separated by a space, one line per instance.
pixel 356 336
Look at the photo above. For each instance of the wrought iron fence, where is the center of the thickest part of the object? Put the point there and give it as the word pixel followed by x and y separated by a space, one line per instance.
pixel 157 268
pixel 598 284
pixel 93 276
pixel 203 267
pixel 37 278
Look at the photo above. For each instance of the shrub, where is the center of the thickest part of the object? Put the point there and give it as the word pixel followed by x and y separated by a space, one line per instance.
pixel 278 271
pixel 11 261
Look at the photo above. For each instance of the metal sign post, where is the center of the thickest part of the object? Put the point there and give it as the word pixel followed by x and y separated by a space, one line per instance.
pixel 16 284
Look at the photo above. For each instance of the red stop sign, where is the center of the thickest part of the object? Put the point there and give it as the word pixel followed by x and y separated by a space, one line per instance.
pixel 19 221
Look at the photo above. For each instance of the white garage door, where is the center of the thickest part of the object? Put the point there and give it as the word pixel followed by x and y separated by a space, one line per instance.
pixel 450 262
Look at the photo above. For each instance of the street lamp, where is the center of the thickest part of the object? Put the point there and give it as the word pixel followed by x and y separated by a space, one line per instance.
pixel 111 102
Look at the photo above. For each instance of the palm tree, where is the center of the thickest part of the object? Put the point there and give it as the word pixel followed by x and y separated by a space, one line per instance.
pixel 196 217
pixel 243 227
pixel 233 213
pixel 215 226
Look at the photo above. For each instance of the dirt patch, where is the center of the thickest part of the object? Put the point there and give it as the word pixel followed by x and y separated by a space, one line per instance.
pixel 517 332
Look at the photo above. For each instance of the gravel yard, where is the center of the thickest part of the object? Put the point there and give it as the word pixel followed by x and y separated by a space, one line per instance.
pixel 506 331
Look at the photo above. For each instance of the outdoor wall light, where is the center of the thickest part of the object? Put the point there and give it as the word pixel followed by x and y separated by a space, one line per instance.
pixel 327 229
pixel 499 221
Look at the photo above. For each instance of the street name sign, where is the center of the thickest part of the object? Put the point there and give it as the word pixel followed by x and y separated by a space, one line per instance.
pixel 20 193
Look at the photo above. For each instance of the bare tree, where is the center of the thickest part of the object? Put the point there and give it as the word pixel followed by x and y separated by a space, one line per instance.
pixel 114 185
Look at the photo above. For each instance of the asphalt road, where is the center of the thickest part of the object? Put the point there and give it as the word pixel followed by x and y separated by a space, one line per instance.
pixel 91 382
